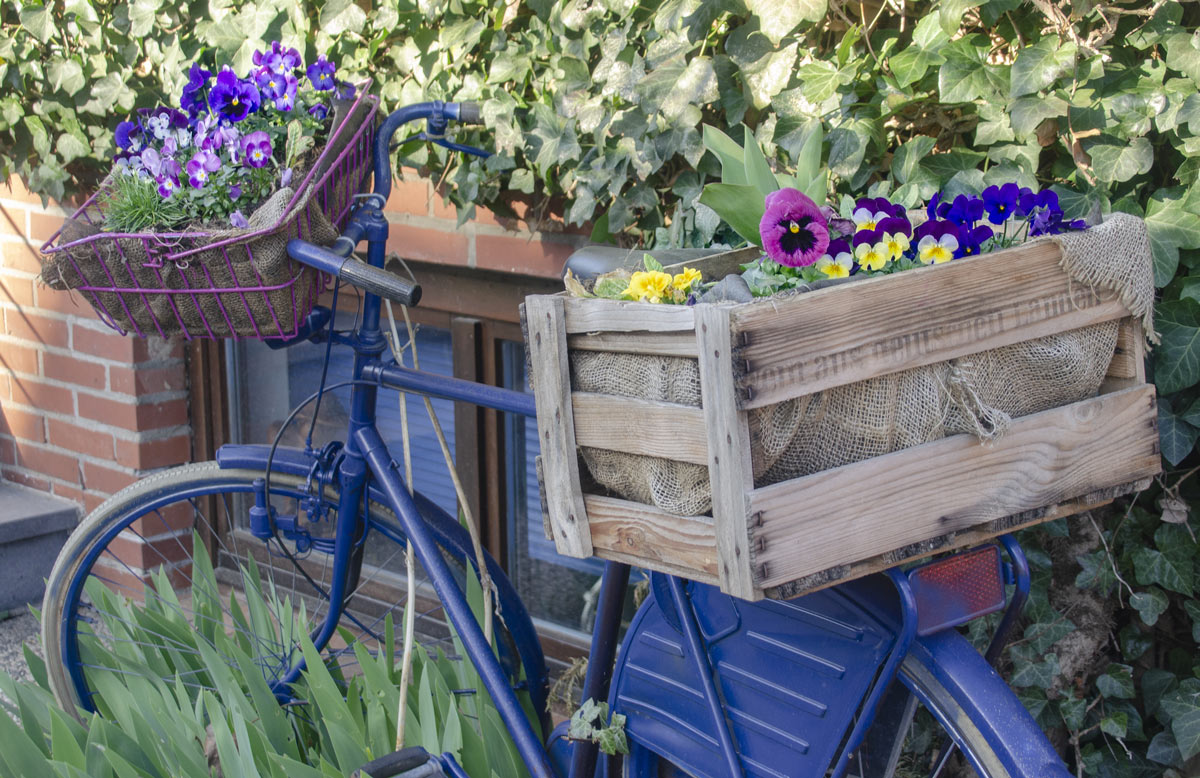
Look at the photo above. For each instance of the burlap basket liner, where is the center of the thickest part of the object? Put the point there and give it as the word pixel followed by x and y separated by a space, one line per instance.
pixel 979 394
pixel 268 293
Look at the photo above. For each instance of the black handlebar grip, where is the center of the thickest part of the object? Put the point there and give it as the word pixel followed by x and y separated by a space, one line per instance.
pixel 378 281
pixel 469 113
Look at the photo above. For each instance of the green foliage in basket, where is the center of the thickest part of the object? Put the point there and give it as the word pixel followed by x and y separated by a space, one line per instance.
pixel 133 204
pixel 150 727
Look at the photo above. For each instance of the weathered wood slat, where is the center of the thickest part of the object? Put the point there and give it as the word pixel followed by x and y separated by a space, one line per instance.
pixel 953 541
pixel 888 502
pixel 800 345
pixel 717 266
pixel 653 537
pixel 644 427
pixel 730 470
pixel 596 315
pixel 661 344
pixel 1128 366
pixel 556 429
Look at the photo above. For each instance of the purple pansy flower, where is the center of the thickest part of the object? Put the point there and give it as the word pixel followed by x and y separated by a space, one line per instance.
pixel 238 220
pixel 346 90
pixel 256 148
pixel 970 240
pixel 320 73
pixel 319 111
pixel 270 83
pixel 893 225
pixel 166 186
pixel 964 210
pixel 793 231
pixel 1001 202
pixel 201 165
pixel 235 192
pixel 233 98
pixel 278 59
pixel 287 100
pixel 285 178
pixel 152 161
pixel 194 100
pixel 129 136
pixel 837 223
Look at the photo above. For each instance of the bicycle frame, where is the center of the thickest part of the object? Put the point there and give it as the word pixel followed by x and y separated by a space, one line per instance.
pixel 366 464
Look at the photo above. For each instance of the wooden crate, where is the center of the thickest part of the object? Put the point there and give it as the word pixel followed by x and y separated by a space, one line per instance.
pixel 809 532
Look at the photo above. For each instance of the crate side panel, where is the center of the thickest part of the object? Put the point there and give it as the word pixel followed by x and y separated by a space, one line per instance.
pixel 1128 366
pixel 843 334
pixel 730 470
pixel 658 540
pixel 556 430
pixel 953 541
pixel 888 502
pixel 599 315
pixel 645 427
pixel 659 344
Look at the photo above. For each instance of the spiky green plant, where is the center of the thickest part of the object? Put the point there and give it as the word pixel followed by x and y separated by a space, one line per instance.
pixel 147 726
pixel 133 204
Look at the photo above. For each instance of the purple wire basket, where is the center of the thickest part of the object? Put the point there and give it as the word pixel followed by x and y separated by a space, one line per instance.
pixel 230 284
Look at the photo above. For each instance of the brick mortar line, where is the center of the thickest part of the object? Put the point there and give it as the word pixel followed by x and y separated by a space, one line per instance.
pixel 79 486
pixel 120 433
pixel 109 464
pixel 149 364
pixel 49 210
pixel 108 394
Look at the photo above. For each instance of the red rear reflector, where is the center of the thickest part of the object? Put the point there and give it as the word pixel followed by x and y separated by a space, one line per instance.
pixel 957 589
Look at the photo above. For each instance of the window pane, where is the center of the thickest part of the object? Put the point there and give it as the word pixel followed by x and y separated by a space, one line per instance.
pixel 555 588
pixel 275 382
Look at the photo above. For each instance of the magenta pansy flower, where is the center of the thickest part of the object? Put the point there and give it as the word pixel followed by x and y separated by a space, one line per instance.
pixel 793 230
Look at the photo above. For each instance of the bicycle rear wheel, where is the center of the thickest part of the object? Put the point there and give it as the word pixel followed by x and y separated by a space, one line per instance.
pixel 140 547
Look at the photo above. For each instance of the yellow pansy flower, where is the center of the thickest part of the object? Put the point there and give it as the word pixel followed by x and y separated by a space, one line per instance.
pixel 836 267
pixel 649 285
pixel 683 281
pixel 935 251
pixel 872 256
pixel 897 243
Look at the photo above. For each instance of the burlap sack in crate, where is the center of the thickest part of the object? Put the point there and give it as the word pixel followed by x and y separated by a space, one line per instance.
pixel 268 293
pixel 979 394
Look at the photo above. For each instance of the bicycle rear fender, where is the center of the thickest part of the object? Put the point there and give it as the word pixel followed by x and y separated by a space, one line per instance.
pixel 987 703
pixel 792 676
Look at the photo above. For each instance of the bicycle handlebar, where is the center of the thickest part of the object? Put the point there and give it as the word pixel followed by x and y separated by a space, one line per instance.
pixel 354 271
pixel 438 114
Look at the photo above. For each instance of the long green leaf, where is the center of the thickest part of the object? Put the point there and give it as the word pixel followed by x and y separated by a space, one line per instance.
pixel 348 744
pixel 741 207
pixel 758 170
pixel 726 149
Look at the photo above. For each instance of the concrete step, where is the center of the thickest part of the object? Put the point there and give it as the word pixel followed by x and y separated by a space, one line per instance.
pixel 33 527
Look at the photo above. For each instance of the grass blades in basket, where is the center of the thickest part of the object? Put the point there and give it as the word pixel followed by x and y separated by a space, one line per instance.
pixel 133 204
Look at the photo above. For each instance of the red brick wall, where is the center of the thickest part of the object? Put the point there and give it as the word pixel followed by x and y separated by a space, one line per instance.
pixel 85 411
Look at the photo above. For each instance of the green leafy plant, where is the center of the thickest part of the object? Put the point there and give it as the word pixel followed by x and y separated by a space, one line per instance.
pixel 592 722
pixel 598 110
pixel 133 204
pixel 153 727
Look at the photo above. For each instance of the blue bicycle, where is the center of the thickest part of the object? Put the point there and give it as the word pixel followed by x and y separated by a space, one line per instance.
pixel 711 686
